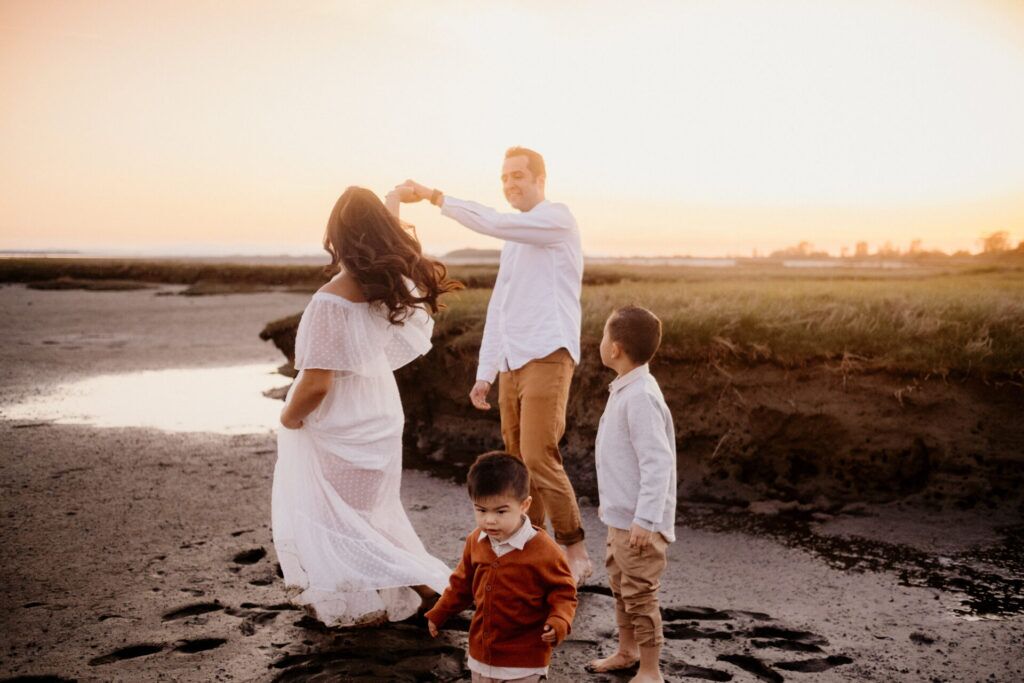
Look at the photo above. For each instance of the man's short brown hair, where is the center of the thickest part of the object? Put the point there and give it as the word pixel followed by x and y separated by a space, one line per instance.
pixel 534 161
pixel 637 330
pixel 498 473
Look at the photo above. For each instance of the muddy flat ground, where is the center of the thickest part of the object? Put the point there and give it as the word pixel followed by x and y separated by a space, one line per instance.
pixel 139 555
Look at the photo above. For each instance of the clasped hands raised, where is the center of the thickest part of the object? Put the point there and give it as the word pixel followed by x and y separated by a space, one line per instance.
pixel 410 192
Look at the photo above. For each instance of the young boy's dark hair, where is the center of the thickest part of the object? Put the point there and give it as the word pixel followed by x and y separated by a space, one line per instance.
pixel 498 473
pixel 637 330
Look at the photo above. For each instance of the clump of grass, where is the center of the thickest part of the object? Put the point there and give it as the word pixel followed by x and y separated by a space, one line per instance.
pixel 204 288
pixel 162 271
pixel 89 285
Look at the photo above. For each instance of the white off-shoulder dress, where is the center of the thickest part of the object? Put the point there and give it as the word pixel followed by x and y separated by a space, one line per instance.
pixel 346 547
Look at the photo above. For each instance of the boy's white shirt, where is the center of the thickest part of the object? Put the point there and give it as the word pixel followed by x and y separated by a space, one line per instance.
pixel 535 308
pixel 636 456
pixel 516 541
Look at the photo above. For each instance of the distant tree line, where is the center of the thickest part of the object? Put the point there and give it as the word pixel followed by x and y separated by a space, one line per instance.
pixel 997 242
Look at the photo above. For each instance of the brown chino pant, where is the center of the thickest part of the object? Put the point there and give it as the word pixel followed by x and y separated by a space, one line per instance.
pixel 532 402
pixel 634 576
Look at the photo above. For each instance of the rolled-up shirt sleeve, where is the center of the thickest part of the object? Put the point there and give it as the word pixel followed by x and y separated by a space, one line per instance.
pixel 545 224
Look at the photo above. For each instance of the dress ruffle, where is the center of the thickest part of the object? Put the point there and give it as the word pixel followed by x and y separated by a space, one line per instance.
pixel 347 336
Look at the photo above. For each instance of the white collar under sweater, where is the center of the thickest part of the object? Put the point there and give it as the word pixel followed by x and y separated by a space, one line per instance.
pixel 516 541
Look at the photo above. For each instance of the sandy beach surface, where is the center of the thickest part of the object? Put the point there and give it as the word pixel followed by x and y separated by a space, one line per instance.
pixel 135 554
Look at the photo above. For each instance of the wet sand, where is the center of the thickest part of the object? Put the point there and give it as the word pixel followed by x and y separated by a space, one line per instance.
pixel 138 555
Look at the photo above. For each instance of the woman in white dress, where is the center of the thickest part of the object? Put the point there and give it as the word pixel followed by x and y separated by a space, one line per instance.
pixel 347 550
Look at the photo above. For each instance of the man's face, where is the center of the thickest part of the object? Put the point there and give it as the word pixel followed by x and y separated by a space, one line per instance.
pixel 522 190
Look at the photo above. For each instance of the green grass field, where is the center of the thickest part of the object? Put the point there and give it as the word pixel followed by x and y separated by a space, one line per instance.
pixel 941 321
pixel 947 319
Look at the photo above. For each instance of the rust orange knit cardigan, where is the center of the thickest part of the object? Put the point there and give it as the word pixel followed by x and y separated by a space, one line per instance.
pixel 515 596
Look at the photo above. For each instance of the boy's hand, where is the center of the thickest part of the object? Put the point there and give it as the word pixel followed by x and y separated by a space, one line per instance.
pixel 431 629
pixel 639 537
pixel 555 630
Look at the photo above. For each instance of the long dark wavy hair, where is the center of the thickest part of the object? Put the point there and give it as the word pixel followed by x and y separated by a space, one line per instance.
pixel 379 251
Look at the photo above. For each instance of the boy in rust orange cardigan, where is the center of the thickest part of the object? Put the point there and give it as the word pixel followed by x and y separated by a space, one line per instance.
pixel 516 575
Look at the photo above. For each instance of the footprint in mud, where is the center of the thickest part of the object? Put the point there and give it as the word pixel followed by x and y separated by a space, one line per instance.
pixel 815 665
pixel 192 647
pixel 254 616
pixel 684 670
pixel 694 613
pixel 785 639
pixel 919 638
pixel 251 556
pixel 683 623
pixel 789 645
pixel 129 652
pixel 684 632
pixel 193 610
pixel 399 653
pixel 108 616
pixel 753 665
pixel 254 621
pixel 282 607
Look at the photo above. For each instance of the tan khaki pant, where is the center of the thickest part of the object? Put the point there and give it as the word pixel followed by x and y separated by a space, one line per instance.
pixel 635 576
pixel 532 401
pixel 478 678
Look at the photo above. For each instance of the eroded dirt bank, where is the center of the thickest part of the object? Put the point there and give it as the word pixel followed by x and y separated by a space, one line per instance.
pixel 822 435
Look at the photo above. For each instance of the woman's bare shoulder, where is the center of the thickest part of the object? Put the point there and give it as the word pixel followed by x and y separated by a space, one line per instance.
pixel 346 287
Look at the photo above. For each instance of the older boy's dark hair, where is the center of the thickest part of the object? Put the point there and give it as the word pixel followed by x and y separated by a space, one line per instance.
pixel 498 473
pixel 637 330
pixel 534 161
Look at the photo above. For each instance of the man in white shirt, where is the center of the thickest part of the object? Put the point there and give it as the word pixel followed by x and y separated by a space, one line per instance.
pixel 531 338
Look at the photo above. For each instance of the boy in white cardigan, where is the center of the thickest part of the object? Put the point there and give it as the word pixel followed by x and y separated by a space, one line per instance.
pixel 636 481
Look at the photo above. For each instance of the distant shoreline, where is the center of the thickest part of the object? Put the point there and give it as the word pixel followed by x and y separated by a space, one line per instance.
pixel 466 257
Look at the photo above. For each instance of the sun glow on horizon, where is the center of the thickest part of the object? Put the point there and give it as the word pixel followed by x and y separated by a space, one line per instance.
pixel 702 128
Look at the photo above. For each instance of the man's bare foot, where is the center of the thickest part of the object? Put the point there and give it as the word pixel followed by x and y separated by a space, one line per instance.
pixel 579 562
pixel 617 662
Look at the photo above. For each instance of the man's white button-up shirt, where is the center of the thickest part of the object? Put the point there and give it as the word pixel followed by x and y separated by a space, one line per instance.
pixel 535 306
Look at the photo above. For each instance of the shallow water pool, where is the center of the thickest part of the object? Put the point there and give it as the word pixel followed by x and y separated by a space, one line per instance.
pixel 222 400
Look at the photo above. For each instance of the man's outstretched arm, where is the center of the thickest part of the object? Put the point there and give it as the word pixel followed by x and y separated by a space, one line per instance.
pixel 548 224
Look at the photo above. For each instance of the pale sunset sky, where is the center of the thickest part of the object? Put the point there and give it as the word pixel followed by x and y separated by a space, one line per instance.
pixel 706 127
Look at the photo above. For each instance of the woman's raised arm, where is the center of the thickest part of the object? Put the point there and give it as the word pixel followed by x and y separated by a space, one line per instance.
pixel 394 198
